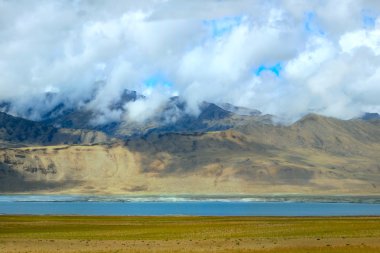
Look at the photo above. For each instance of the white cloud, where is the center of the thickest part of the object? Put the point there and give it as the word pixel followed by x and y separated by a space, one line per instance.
pixel 318 50
pixel 361 38
pixel 207 50
pixel 148 107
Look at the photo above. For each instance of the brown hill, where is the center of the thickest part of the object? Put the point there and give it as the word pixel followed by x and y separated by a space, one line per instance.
pixel 314 155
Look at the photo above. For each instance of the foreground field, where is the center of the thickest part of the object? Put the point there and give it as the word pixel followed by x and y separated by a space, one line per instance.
pixel 188 234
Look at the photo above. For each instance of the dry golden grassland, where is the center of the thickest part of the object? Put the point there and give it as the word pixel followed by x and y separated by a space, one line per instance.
pixel 189 234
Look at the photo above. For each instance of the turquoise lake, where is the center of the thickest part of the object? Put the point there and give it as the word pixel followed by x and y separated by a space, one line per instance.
pixel 68 205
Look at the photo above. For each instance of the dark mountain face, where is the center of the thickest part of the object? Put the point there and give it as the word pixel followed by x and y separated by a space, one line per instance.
pixel 19 131
pixel 242 111
pixel 81 118
pixel 211 111
pixel 171 117
pixel 5 106
pixel 126 97
pixel 56 111
pixel 14 129
pixel 47 101
pixel 370 116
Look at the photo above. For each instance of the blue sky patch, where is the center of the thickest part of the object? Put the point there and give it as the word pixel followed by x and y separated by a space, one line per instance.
pixel 222 26
pixel 275 69
pixel 311 25
pixel 157 79
pixel 368 19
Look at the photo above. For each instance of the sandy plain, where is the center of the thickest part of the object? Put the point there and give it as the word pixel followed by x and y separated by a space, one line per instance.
pixel 189 234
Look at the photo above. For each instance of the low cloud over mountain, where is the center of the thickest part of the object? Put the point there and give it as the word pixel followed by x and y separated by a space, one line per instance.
pixel 285 58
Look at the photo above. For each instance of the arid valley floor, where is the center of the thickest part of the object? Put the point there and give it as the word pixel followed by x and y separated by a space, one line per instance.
pixel 189 234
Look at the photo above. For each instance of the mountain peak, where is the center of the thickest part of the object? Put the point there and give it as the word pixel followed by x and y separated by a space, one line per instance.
pixel 311 118
pixel 239 110
pixel 210 111
pixel 126 97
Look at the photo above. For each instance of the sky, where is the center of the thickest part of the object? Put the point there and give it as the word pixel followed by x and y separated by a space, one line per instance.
pixel 286 58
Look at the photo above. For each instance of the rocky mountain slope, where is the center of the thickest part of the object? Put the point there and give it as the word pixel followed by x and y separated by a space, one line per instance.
pixel 247 155
pixel 170 117
pixel 16 131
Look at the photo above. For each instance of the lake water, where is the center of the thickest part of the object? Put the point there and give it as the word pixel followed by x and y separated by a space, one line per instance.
pixel 69 205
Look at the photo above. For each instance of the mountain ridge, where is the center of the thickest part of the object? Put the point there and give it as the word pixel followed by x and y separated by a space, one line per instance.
pixel 218 151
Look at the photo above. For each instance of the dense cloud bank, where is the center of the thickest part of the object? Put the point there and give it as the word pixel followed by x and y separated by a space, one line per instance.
pixel 285 58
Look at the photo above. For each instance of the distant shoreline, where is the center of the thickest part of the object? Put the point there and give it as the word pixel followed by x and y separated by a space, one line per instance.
pixel 368 199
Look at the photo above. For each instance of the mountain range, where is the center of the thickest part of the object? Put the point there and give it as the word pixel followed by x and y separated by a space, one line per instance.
pixel 224 149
